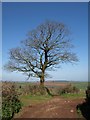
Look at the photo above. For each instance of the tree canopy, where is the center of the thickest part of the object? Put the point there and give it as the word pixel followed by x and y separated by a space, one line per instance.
pixel 46 47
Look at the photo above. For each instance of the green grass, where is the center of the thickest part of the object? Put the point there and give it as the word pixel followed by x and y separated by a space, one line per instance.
pixel 29 99
pixel 74 95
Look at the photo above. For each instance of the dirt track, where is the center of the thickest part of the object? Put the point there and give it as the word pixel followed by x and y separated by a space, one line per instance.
pixel 57 107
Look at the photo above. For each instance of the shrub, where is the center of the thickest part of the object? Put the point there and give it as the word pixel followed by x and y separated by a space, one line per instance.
pixel 68 89
pixel 10 100
pixel 84 108
pixel 88 95
pixel 34 90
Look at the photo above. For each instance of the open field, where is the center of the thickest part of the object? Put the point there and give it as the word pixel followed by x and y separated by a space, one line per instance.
pixel 43 106
pixel 80 85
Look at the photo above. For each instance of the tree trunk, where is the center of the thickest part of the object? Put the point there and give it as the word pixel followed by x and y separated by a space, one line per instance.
pixel 42 78
pixel 42 81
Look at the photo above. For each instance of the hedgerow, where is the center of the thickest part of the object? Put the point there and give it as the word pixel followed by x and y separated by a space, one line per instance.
pixel 10 101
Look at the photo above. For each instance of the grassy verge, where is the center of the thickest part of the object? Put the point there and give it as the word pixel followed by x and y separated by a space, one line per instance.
pixel 30 100
pixel 74 95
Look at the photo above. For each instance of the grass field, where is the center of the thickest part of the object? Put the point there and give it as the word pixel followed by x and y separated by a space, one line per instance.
pixel 80 85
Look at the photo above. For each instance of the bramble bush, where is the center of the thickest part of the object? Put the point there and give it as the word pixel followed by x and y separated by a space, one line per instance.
pixel 10 101
pixel 34 90
pixel 68 89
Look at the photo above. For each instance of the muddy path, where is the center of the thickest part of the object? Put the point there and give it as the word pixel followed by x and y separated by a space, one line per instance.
pixel 57 107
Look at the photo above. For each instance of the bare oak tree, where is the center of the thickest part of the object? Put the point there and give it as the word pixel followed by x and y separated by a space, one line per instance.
pixel 46 47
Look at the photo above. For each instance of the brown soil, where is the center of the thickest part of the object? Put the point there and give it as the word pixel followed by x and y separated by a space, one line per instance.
pixel 57 107
pixel 47 83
